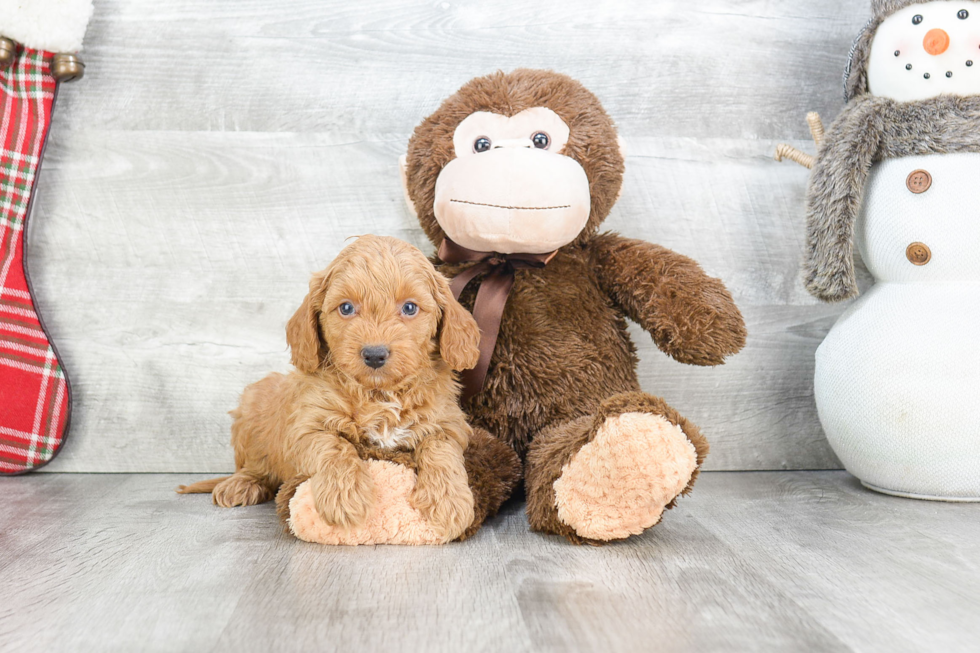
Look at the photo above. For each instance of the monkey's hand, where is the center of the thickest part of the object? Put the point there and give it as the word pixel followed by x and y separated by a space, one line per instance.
pixel 690 315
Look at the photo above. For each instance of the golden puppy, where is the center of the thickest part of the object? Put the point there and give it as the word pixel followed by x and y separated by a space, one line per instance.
pixel 374 345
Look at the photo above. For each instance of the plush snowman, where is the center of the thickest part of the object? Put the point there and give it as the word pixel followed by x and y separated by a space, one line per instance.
pixel 898 174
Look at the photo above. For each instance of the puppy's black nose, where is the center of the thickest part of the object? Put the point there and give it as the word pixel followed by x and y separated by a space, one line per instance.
pixel 375 356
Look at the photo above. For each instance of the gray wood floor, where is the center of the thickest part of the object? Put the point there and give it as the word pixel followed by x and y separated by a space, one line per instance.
pixel 777 561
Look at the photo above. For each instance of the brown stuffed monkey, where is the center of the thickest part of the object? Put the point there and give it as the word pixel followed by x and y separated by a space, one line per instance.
pixel 510 178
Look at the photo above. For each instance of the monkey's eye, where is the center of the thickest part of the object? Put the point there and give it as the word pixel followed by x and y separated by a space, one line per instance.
pixel 916 19
pixel 963 14
pixel 541 140
pixel 346 309
pixel 409 309
pixel 481 144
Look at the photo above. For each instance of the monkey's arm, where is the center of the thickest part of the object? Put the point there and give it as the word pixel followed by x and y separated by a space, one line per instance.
pixel 833 200
pixel 690 315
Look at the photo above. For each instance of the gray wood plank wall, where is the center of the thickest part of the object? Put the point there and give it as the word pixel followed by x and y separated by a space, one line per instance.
pixel 218 152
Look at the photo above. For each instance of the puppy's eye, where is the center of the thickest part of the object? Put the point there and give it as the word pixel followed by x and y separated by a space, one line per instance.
pixel 916 19
pixel 481 144
pixel 541 140
pixel 963 14
pixel 346 309
pixel 409 309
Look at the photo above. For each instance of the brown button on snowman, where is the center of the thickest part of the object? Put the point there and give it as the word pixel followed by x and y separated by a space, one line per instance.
pixel 919 181
pixel 897 380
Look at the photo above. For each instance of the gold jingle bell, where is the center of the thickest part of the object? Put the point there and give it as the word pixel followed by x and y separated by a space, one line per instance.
pixel 67 67
pixel 8 52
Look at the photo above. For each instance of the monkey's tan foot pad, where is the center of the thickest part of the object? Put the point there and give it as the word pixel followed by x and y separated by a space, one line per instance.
pixel 618 484
pixel 393 520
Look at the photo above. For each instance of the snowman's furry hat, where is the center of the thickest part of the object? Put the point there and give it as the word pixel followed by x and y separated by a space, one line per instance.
pixel 871 129
pixel 856 73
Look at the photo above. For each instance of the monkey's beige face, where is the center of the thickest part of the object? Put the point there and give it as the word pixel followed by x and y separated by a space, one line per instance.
pixel 510 188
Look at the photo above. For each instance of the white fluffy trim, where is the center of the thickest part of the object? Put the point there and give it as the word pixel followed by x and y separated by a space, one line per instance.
pixel 53 25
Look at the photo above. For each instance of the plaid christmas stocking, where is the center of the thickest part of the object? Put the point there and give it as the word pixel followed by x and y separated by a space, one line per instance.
pixel 35 399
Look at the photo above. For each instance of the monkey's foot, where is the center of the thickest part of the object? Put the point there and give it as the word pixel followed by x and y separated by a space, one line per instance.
pixel 620 482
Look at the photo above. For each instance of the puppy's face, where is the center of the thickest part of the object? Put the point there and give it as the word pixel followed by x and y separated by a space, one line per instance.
pixel 379 319
pixel 382 314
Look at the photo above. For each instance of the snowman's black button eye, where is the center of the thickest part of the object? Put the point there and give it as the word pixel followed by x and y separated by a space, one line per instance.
pixel 481 144
pixel 908 66
pixel 963 14
pixel 916 19
pixel 898 52
pixel 949 73
pixel 541 140
pixel 927 75
pixel 969 63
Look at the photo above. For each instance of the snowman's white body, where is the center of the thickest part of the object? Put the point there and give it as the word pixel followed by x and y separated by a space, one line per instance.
pixel 898 377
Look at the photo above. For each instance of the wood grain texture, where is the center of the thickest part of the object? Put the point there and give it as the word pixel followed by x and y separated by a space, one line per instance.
pixel 218 153
pixel 777 561
pixel 715 68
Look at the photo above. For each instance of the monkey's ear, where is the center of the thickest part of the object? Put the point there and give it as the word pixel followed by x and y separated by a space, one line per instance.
pixel 403 168
pixel 459 336
pixel 303 330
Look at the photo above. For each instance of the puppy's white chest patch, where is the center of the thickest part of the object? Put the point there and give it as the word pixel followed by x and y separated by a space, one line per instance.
pixel 380 431
pixel 389 438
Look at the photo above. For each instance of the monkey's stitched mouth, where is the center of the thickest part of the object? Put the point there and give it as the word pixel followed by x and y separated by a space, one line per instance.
pixel 516 208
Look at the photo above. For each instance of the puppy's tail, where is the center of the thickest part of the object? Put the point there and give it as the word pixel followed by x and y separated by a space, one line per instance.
pixel 201 487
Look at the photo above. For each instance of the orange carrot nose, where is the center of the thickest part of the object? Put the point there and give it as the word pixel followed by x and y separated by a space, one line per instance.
pixel 936 41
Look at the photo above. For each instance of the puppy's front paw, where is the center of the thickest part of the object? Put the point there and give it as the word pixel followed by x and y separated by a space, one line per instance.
pixel 448 507
pixel 343 497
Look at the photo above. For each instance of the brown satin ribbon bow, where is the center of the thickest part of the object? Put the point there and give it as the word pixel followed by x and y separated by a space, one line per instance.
pixel 491 298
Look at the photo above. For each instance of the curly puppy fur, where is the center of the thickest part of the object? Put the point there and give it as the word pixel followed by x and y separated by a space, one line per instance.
pixel 563 347
pixel 492 467
pixel 321 421
pixel 871 129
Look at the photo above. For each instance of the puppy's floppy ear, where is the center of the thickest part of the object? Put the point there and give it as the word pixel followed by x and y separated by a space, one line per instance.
pixel 459 336
pixel 303 330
